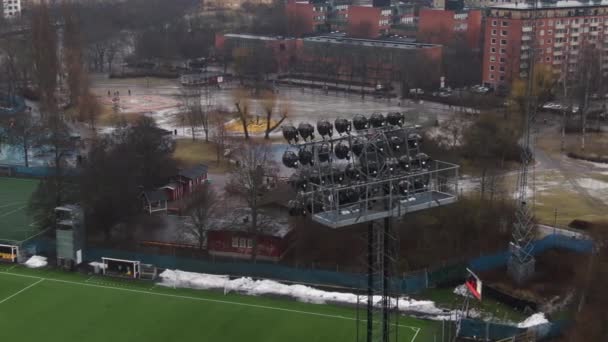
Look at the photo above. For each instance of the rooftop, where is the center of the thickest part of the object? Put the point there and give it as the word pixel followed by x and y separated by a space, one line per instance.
pixel 406 44
pixel 255 36
pixel 194 172
pixel 550 5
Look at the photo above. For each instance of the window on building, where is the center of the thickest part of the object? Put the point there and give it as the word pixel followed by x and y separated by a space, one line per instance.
pixel 492 68
pixel 235 242
pixel 494 32
pixel 493 40
pixel 502 60
pixel 503 51
pixel 249 243
pixel 542 33
pixel 502 77
pixel 549 32
pixel 503 42
pixel 548 50
pixel 493 50
pixel 494 22
pixel 547 59
pixel 501 68
pixel 491 76
pixel 505 23
pixel 243 243
pixel 492 58
pixel 504 32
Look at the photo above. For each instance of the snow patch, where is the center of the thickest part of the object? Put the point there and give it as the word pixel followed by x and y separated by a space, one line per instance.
pixel 307 294
pixel 534 320
pixel 36 261
pixel 97 264
pixel 592 184
pixel 463 291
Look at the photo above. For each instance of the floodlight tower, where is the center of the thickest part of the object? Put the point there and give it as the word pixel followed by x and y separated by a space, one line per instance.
pixel 367 171
pixel 521 263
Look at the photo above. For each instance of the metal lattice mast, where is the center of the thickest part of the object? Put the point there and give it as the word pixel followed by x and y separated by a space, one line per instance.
pixel 521 263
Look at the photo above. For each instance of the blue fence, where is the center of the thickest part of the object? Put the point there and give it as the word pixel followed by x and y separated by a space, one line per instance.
pixel 489 262
pixel 411 283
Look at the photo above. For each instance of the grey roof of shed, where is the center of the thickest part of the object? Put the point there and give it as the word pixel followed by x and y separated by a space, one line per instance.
pixel 194 172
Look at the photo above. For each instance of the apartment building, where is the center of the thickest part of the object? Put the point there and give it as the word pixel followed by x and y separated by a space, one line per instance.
pixel 439 26
pixel 11 8
pixel 563 30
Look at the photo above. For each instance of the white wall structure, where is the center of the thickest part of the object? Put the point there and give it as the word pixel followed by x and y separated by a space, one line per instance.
pixel 11 8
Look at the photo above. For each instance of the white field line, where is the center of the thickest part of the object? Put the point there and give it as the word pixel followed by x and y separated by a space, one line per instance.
pixel 22 290
pixel 415 335
pixel 265 307
pixel 11 204
pixel 12 211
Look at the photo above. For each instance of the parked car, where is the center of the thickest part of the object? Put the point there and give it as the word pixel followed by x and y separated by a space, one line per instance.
pixel 416 91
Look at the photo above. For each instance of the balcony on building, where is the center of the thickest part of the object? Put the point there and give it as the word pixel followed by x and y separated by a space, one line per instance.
pixel 526 29
pixel 526 38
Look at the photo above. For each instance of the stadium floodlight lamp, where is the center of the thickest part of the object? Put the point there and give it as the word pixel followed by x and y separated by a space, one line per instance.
pixel 360 122
pixel 342 150
pixel 305 156
pixel 395 119
pixel 342 126
pixel 290 133
pixel 377 120
pixel 325 128
pixel 307 132
pixel 414 140
pixel 290 159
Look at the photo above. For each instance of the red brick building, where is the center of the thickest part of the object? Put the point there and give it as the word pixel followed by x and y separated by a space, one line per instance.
pixel 439 26
pixel 368 21
pixel 284 50
pixel 305 17
pixel 562 30
pixel 383 57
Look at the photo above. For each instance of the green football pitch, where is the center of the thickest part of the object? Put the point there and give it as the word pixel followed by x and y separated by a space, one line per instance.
pixel 15 224
pixel 53 306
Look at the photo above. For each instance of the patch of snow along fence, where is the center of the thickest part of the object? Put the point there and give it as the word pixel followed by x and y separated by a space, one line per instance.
pixel 307 294
pixel 36 261
pixel 248 286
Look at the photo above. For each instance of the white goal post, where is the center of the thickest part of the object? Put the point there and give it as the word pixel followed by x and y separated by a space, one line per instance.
pixel 9 253
pixel 121 268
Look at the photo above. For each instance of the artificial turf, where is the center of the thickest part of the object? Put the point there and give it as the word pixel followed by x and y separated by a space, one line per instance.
pixel 54 306
pixel 15 224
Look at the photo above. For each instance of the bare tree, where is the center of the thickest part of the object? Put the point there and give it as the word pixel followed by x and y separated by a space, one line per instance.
pixel 271 105
pixel 44 54
pixel 193 113
pixel 220 135
pixel 20 131
pixel 253 176
pixel 241 102
pixel 201 212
